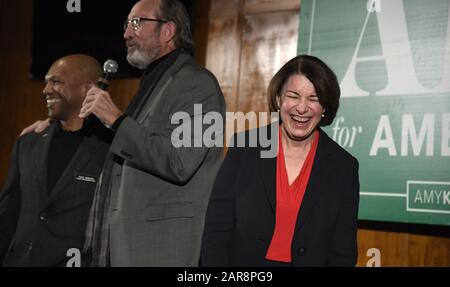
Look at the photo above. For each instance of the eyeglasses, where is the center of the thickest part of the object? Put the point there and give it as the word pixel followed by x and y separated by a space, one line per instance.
pixel 136 22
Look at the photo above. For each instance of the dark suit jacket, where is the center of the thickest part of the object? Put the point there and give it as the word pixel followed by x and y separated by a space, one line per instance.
pixel 241 214
pixel 37 229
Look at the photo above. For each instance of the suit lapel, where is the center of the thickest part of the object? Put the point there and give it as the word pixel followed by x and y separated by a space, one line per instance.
pixel 267 166
pixel 151 100
pixel 319 174
pixel 82 156
pixel 42 164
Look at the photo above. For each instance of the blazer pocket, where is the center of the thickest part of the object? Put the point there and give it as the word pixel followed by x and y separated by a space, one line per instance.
pixel 171 210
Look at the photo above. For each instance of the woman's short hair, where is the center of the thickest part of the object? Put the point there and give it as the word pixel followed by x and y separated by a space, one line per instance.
pixel 319 74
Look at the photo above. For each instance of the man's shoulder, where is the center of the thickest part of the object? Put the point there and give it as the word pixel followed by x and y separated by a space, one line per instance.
pixel 33 137
pixel 190 69
pixel 30 143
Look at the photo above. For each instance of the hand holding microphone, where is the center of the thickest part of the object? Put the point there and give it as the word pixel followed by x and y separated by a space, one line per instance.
pixel 98 102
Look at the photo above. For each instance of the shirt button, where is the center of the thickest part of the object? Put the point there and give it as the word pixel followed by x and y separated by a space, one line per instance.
pixel 301 251
pixel 30 246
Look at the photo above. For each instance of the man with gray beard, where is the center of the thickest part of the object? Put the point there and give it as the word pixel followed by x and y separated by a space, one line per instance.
pixel 150 203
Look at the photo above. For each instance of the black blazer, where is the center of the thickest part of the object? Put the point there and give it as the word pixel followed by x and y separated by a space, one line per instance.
pixel 37 229
pixel 241 214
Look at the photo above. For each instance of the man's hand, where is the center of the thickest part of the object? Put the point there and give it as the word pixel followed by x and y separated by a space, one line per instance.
pixel 99 103
pixel 36 127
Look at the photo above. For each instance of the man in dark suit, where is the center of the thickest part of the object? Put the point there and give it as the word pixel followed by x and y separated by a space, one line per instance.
pixel 44 205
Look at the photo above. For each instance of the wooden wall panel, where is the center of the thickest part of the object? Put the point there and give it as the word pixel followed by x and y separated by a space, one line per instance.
pixel 269 40
pixel 223 47
pixel 435 251
pixel 20 98
pixel 223 50
pixel 263 6
pixel 405 244
pixel 123 90
pixel 393 251
pixel 200 29
pixel 246 48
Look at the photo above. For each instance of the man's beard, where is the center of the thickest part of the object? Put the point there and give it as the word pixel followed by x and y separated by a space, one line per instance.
pixel 140 59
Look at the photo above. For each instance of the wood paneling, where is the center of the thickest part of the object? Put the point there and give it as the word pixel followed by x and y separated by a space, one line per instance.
pixel 201 24
pixel 393 252
pixel 223 49
pixel 269 6
pixel 269 40
pixel 248 41
pixel 402 244
pixel 20 98
pixel 245 49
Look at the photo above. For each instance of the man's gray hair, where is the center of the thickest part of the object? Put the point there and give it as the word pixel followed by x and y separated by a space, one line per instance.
pixel 174 11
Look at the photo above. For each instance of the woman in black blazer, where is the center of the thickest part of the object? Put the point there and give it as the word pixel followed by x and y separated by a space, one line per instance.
pixel 299 208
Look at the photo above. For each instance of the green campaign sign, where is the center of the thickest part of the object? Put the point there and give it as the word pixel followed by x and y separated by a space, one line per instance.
pixel 392 58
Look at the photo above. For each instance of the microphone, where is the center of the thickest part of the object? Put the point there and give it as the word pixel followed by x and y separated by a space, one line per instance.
pixel 110 67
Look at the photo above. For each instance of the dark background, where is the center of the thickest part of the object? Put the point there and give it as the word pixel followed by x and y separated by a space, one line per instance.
pixel 97 31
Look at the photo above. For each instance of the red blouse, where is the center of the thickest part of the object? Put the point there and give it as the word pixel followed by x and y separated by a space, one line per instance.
pixel 288 201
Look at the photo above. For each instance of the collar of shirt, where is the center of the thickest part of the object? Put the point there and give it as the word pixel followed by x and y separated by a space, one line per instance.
pixel 155 63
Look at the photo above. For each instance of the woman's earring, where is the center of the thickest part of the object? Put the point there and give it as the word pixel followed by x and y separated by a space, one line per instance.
pixel 323 115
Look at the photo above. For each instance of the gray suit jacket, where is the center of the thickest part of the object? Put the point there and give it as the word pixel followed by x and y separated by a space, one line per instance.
pixel 160 193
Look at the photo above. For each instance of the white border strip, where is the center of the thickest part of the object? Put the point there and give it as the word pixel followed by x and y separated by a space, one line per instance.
pixel 429 211
pixel 382 194
pixel 311 27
